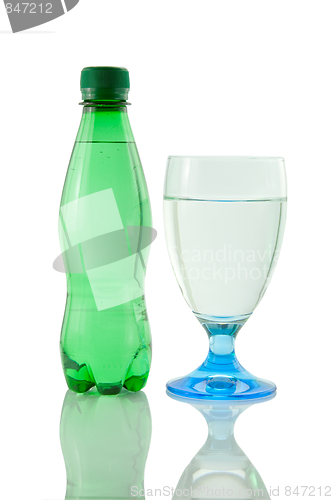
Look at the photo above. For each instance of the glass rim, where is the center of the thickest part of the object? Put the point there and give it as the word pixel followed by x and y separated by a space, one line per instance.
pixel 227 158
pixel 225 177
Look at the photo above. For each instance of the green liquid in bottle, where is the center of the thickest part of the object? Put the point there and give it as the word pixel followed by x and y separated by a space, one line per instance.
pixel 105 338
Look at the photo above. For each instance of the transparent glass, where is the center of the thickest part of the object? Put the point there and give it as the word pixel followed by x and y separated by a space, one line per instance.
pixel 224 222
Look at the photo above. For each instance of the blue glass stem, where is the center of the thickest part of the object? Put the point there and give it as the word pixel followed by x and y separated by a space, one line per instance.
pixel 221 355
pixel 221 376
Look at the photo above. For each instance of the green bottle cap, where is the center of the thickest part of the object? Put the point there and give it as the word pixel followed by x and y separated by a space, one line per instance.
pixel 104 83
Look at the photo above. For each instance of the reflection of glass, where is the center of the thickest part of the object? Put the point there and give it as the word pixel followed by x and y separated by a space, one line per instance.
pixel 105 442
pixel 220 469
pixel 224 223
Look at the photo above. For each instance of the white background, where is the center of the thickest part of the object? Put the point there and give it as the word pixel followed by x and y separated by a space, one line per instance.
pixel 207 77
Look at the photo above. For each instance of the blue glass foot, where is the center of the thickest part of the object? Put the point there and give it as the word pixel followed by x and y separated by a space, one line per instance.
pixel 203 385
pixel 221 376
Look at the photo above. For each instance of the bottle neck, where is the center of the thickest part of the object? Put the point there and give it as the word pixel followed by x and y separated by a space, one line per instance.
pixel 104 121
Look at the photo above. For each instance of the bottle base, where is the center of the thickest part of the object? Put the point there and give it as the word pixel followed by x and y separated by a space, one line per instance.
pixel 132 384
pixel 109 376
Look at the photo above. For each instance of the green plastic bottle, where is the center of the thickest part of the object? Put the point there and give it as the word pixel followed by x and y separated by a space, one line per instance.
pixel 105 233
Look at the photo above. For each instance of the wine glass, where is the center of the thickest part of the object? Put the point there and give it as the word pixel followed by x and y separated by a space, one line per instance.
pixel 224 222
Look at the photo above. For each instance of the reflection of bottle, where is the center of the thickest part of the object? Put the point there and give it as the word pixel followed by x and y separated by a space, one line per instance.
pixel 221 469
pixel 105 338
pixel 105 443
